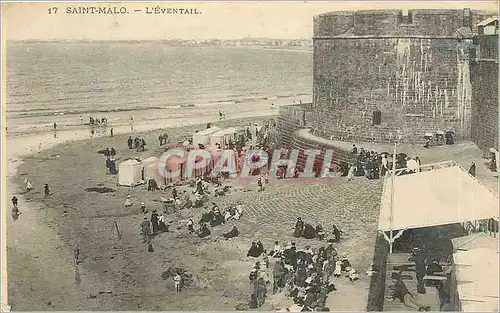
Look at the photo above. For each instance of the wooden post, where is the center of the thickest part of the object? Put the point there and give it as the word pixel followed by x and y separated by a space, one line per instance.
pixel 118 231
pixel 392 197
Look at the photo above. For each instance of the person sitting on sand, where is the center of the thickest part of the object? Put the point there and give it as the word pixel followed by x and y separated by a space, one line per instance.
pixel 254 251
pixel 29 186
pixel 239 211
pixel 320 233
pixel 232 233
pixel 335 234
pixel 190 225
pixel 128 202
pixel 401 292
pixel 203 231
pixel 345 262
pixel 253 304
pixel 299 227
pixel 276 252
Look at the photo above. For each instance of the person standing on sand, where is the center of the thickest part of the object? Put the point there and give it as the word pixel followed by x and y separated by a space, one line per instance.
pixel 15 213
pixel 81 119
pixel 131 123
pixel 46 190
pixel 39 147
pixel 14 201
pixel 178 282
pixel 76 254
pixel 146 230
pixel 111 132
pixel 92 133
pixel 55 126
pixel 130 141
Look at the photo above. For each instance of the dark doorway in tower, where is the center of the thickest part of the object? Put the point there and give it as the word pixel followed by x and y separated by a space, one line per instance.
pixel 377 117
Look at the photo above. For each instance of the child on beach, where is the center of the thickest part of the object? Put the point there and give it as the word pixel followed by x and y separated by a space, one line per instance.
pixel 178 282
pixel 29 186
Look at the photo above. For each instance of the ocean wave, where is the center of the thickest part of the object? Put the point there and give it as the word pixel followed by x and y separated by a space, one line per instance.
pixel 77 105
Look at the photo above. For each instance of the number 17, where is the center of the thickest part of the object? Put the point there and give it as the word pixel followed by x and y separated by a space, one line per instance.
pixel 52 10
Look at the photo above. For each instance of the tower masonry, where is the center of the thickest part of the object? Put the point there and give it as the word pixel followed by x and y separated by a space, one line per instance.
pixel 392 75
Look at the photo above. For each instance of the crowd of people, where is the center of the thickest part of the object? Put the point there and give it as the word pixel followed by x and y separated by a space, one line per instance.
pixel 307 231
pixel 374 165
pixel 97 121
pixel 139 144
pixel 306 275
pixel 110 155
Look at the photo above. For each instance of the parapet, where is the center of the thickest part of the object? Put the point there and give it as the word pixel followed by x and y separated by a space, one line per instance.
pixel 396 23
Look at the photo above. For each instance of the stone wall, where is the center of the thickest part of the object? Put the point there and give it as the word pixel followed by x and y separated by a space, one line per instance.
pixel 290 119
pixel 414 69
pixel 485 93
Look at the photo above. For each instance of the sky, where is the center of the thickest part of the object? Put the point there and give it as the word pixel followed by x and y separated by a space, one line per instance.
pixel 218 20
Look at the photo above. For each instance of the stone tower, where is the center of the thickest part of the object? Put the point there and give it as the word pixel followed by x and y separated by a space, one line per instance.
pixel 389 75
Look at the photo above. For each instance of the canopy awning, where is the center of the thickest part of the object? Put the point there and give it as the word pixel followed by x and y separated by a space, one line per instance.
pixel 474 241
pixel 436 197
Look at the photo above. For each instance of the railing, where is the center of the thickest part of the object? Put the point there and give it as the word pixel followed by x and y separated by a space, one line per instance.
pixel 424 168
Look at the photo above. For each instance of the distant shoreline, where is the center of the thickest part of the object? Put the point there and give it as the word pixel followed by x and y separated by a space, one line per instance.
pixel 169 43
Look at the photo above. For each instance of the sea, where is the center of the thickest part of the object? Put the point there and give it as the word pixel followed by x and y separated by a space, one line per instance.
pixel 65 82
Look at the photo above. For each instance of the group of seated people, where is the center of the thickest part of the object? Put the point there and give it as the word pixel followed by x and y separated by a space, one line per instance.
pixel 307 231
pixel 214 217
pixel 305 275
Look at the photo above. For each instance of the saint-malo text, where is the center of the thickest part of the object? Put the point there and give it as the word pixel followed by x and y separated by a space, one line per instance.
pixel 96 10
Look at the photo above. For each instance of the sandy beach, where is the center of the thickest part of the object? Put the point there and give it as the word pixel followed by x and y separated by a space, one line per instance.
pixel 40 261
pixel 120 274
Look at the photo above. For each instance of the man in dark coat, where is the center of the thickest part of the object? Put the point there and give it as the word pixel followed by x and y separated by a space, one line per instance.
pixel 146 230
pixel 299 227
pixel 154 222
pixel 419 258
pixel 130 141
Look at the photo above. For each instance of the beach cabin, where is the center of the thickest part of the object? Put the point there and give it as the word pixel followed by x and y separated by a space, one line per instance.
pixel 203 137
pixel 130 173
pixel 223 137
pixel 150 171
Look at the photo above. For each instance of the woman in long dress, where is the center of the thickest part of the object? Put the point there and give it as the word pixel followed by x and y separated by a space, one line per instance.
pixel 350 174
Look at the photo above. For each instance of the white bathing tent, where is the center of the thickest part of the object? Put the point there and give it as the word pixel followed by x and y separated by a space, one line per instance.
pixel 203 136
pixel 130 173
pixel 150 166
pixel 224 136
